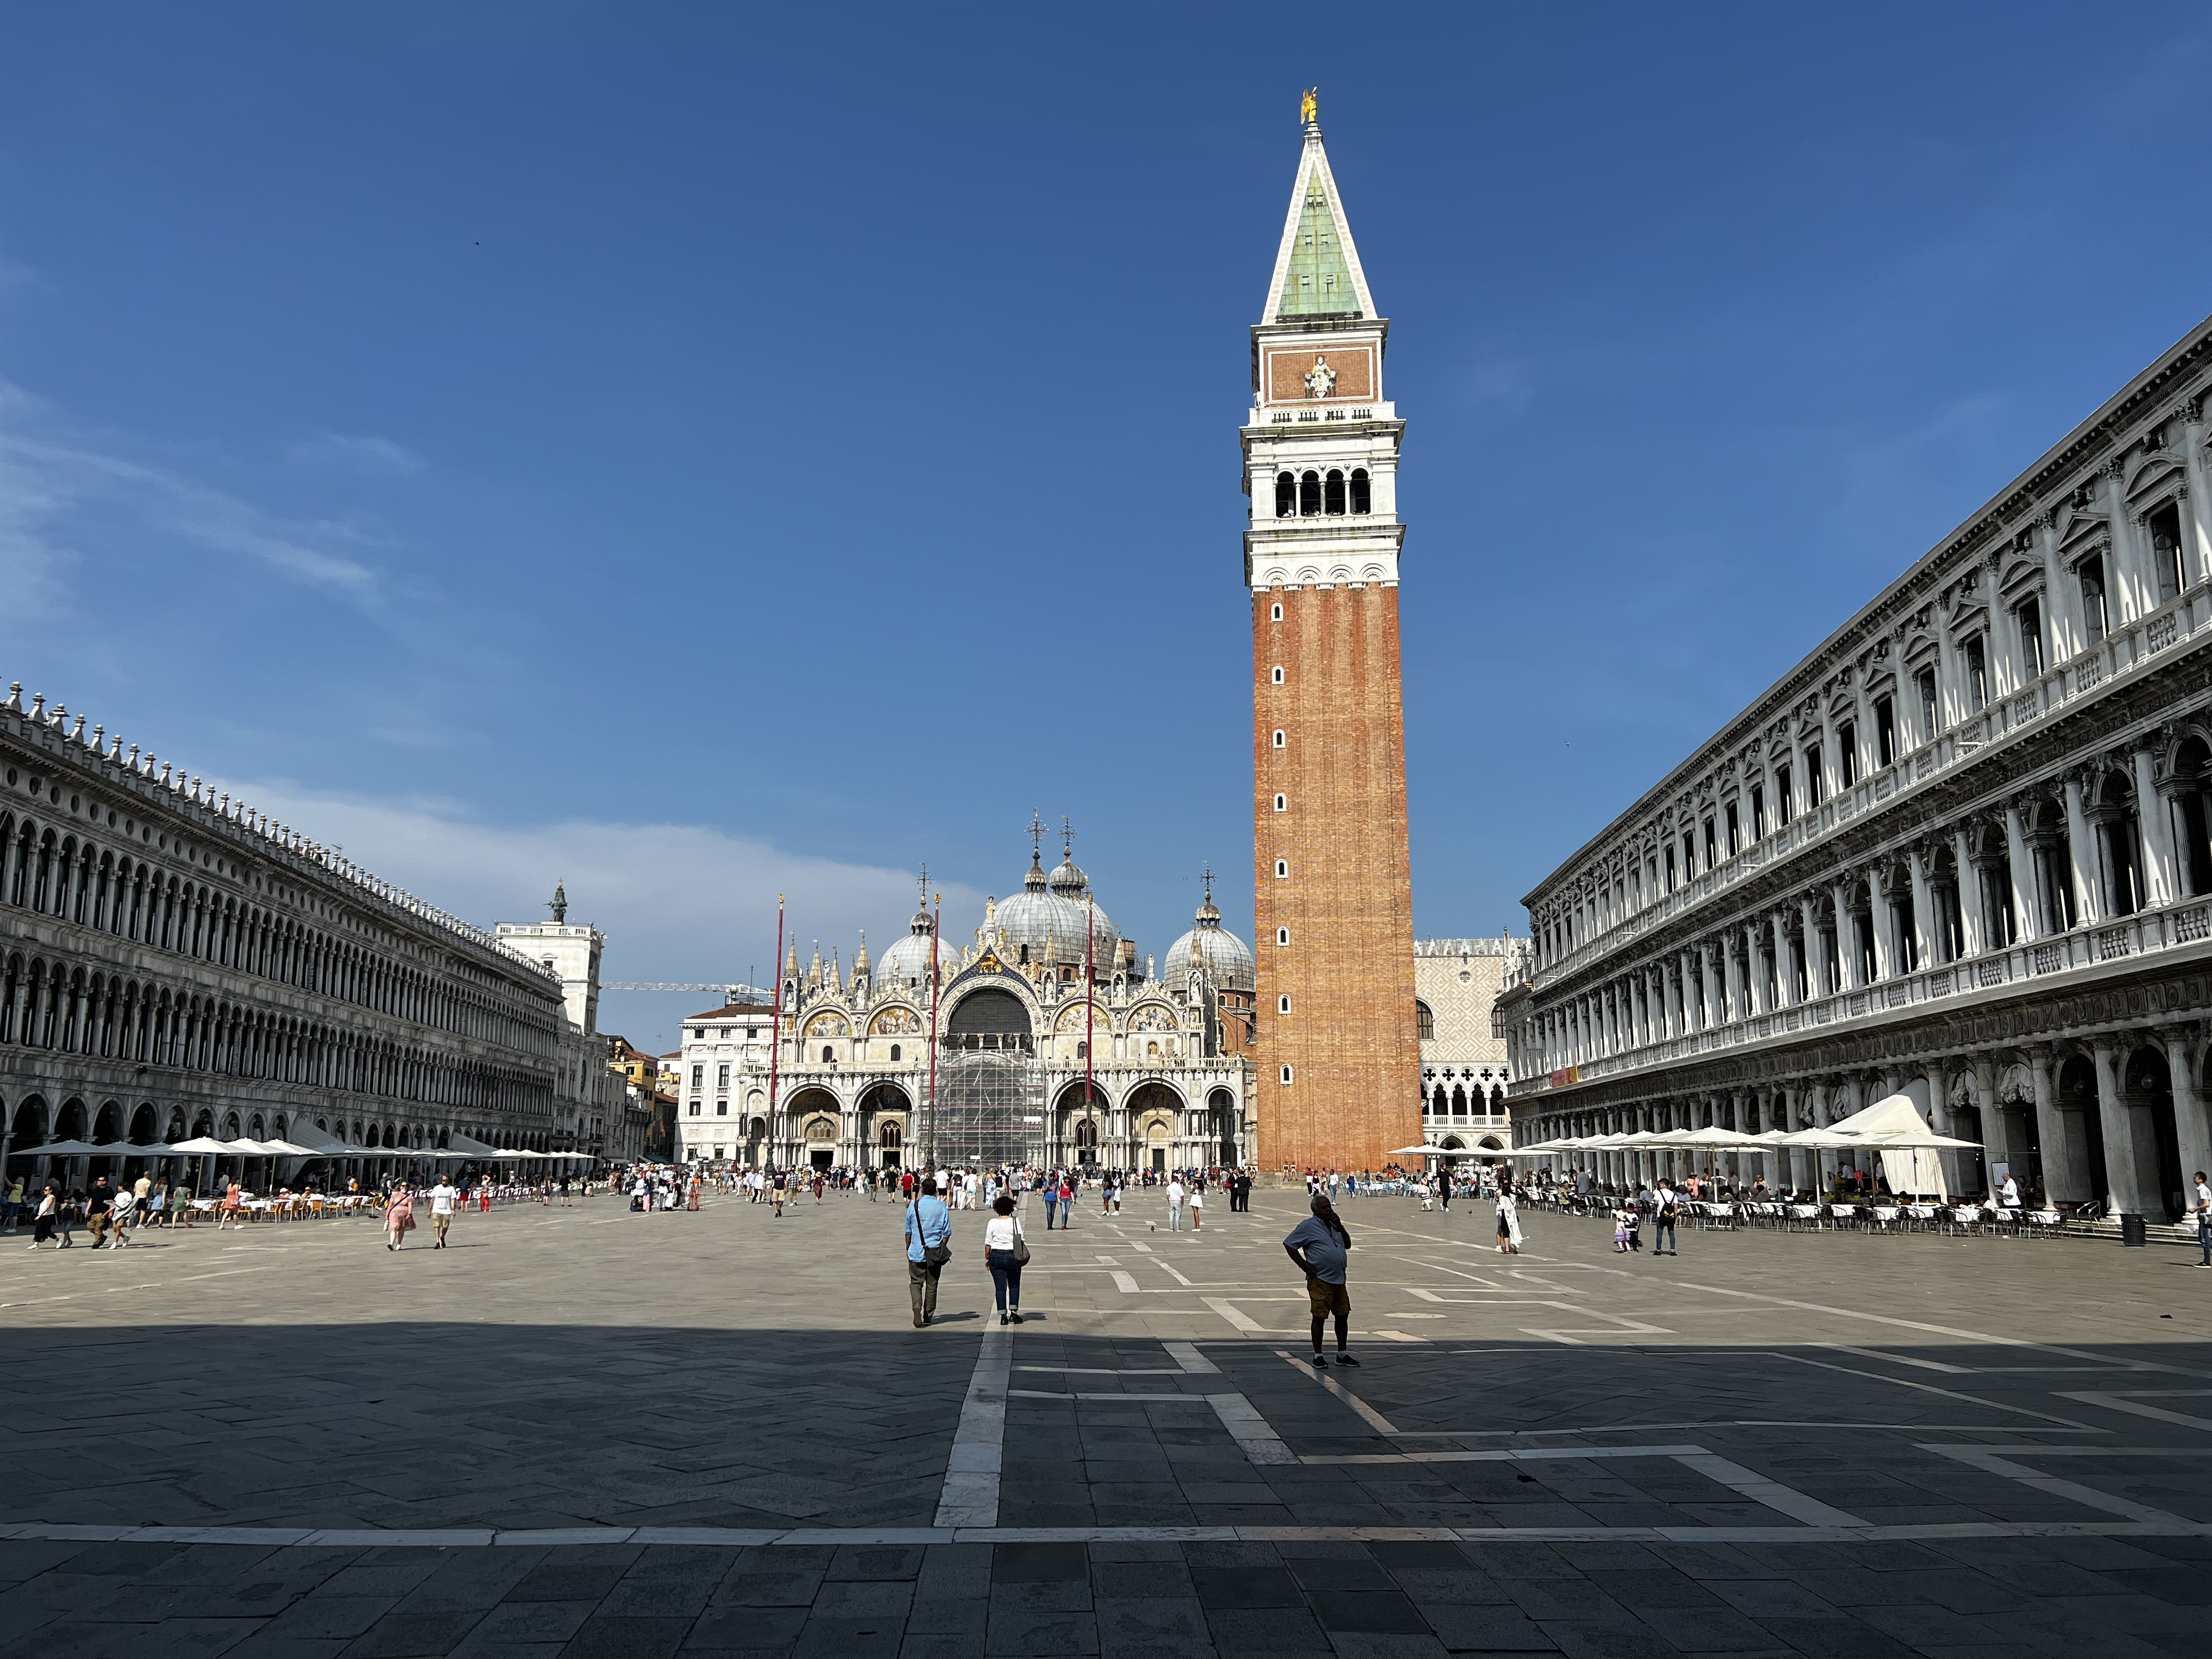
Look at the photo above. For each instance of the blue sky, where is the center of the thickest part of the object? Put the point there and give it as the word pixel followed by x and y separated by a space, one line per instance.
pixel 701 452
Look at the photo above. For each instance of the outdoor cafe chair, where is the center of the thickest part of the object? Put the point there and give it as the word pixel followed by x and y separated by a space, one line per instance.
pixel 1842 1215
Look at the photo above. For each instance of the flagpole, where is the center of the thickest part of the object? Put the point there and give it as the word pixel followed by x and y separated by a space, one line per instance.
pixel 1089 1003
pixel 775 1030
pixel 929 1139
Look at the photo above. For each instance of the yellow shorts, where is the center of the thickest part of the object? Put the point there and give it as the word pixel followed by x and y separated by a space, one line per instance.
pixel 1328 1299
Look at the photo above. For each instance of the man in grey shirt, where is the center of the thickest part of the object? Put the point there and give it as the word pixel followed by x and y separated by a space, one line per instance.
pixel 1321 1246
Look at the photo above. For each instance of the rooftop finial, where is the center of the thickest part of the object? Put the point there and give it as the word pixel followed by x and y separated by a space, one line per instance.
pixel 1310 107
pixel 1067 839
pixel 1209 878
pixel 559 903
pixel 1036 837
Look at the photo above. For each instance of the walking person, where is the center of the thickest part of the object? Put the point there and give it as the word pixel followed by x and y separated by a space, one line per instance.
pixel 1663 1223
pixel 228 1216
pixel 1068 1183
pixel 398 1217
pixel 1174 1203
pixel 1051 1204
pixel 1005 1250
pixel 782 1185
pixel 2202 1209
pixel 1509 1219
pixel 1197 1205
pixel 441 1211
pixel 928 1248
pixel 14 1205
pixel 1322 1248
pixel 96 1211
pixel 120 1211
pixel 42 1223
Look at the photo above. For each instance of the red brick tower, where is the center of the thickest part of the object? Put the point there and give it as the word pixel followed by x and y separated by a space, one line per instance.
pixel 1338 1056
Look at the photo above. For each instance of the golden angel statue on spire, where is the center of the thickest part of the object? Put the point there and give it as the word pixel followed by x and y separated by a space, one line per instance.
pixel 1309 106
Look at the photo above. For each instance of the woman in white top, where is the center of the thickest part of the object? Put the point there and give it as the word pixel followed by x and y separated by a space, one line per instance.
pixel 1001 1234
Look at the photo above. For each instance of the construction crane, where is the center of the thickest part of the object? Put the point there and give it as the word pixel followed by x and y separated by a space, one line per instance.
pixel 732 991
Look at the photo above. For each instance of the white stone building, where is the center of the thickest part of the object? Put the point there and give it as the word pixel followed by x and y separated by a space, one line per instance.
pixel 1165 1060
pixel 1464 1069
pixel 721 1076
pixel 1959 852
pixel 172 964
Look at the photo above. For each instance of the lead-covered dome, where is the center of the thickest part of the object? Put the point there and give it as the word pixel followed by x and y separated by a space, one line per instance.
pixel 1043 924
pixel 1226 959
pixel 906 963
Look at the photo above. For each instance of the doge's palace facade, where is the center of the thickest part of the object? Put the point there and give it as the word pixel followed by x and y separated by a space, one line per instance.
pixel 1960 850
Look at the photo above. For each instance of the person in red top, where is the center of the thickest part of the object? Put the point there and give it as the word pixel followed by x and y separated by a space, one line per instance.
pixel 1066 1201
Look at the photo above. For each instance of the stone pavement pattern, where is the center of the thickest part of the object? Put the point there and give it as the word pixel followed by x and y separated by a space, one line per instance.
pixel 588 1431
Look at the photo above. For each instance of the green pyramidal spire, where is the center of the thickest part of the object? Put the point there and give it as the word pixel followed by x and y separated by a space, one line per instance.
pixel 1317 281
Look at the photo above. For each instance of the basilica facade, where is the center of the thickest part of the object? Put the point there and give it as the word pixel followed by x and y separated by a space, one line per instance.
pixel 989 1052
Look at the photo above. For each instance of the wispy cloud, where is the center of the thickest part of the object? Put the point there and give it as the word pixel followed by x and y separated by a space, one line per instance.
pixel 368 455
pixel 48 474
pixel 677 902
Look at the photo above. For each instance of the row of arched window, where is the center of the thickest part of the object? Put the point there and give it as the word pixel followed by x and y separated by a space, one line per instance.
pixel 1312 493
pixel 46 1004
pixel 30 1125
pixel 54 873
pixel 1456 1103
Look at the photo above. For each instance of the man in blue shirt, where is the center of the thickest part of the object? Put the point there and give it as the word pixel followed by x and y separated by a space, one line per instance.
pixel 928 1248
pixel 1322 1246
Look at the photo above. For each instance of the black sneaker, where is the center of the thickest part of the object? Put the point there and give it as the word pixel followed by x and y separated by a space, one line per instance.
pixel 1321 1362
pixel 1345 1360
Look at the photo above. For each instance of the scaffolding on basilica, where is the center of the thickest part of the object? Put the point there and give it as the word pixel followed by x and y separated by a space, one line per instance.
pixel 989 1109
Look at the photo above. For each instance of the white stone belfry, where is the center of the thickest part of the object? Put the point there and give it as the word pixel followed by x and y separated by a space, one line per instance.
pixel 1321 443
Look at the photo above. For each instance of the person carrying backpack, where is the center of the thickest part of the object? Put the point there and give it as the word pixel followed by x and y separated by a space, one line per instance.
pixel 1662 1228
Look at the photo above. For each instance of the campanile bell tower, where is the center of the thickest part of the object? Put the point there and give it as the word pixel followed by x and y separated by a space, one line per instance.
pixel 1338 1051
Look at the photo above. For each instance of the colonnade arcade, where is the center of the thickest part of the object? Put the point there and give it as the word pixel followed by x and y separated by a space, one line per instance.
pixel 387 1146
pixel 2119 1112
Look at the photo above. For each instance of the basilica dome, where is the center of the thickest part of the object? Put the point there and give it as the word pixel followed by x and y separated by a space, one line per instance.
pixel 1226 959
pixel 1045 922
pixel 906 963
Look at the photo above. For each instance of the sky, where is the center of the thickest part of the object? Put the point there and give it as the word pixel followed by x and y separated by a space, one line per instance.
pixel 700 453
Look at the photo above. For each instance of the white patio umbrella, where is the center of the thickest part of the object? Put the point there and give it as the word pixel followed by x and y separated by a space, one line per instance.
pixel 199 1144
pixel 75 1149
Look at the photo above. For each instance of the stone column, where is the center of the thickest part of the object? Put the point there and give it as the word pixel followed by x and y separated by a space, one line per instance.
pixel 2020 871
pixel 1973 920
pixel 1882 922
pixel 1708 983
pixel 2127 577
pixel 2192 1130
pixel 2062 594
pixel 1692 975
pixel 2155 818
pixel 2082 853
pixel 1950 688
pixel 2196 520
pixel 1924 906
pixel 1847 955
pixel 2130 1194
pixel 1997 1134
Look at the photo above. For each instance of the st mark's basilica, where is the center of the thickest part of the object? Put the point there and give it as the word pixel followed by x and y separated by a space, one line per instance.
pixel 1153 1070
